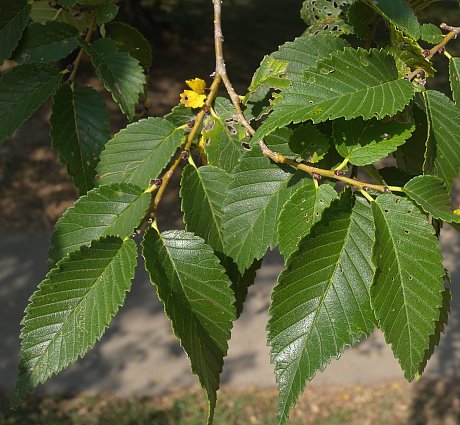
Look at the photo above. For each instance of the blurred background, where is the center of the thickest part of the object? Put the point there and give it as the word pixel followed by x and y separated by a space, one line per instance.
pixel 138 374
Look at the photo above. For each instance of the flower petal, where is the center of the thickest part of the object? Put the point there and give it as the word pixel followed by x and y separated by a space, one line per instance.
pixel 191 99
pixel 197 85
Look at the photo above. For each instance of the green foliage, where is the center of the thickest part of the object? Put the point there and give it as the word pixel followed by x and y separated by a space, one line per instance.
pixel 319 110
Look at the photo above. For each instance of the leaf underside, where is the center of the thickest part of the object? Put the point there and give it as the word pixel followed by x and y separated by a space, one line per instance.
pixel 71 309
pixel 322 300
pixel 407 293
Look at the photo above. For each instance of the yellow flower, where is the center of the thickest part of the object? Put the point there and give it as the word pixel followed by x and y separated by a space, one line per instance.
pixel 194 98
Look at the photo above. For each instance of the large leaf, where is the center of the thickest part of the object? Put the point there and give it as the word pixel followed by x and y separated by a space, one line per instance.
pixel 303 209
pixel 130 40
pixel 13 19
pixel 322 302
pixel 349 84
pixel 22 90
pixel 305 51
pixel 251 209
pixel 121 74
pixel 46 43
pixel 400 14
pixel 197 298
pixel 364 142
pixel 444 117
pixel 71 309
pixel 115 209
pixel 430 193
pixel 454 76
pixel 407 293
pixel 139 152
pixel 79 130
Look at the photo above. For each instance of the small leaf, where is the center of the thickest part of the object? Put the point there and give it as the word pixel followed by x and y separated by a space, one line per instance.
pixel 22 90
pixel 197 298
pixel 321 303
pixel 43 12
pixel 271 73
pixel 121 74
pixel 67 3
pixel 407 293
pixel 179 115
pixel 454 76
pixel 364 142
pixel 106 13
pixel 325 15
pixel 303 209
pixel 308 141
pixel 46 43
pixel 115 210
pixel 305 51
pixel 431 33
pixel 349 84
pixel 79 130
pixel 71 309
pixel 430 193
pixel 444 139
pixel 139 152
pixel 255 198
pixel 400 14
pixel 130 40
pixel 13 19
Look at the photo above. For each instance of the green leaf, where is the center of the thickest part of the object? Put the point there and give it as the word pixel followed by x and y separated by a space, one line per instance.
pixel 106 13
pixel 326 15
pixel 22 90
pixel 139 152
pixel 305 51
pixel 71 309
pixel 407 293
pixel 203 192
pixel 364 142
pixel 308 141
pixel 121 74
pixel 13 19
pixel 251 209
pixel 180 115
pixel 348 84
pixel 303 209
pixel 394 176
pixel 197 298
pixel 454 76
pixel 112 210
pixel 271 73
pixel 400 14
pixel 67 3
pixel 130 40
pixel 46 43
pixel 430 193
pixel 221 143
pixel 79 130
pixel 321 302
pixel 444 117
pixel 431 33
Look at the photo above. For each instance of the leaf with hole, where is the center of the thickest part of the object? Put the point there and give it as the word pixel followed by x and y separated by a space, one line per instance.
pixel 115 209
pixel 71 309
pixel 139 152
pixel 346 84
pixel 365 142
pixel 303 209
pixel 197 298
pixel 80 128
pixel 407 293
pixel 321 303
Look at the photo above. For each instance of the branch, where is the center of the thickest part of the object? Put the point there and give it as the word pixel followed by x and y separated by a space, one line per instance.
pixel 77 60
pixel 274 156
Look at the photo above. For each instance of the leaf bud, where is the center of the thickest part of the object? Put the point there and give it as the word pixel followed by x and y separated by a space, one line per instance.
pixel 190 123
pixel 339 172
pixel 426 53
pixel 206 109
pixel 70 67
pixel 156 182
pixel 316 176
pixel 441 50
pixel 184 154
pixel 386 189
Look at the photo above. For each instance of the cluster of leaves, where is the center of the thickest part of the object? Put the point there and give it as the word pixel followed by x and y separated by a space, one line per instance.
pixel 355 260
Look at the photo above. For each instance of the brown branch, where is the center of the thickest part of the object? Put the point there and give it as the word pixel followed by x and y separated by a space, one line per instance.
pixel 454 31
pixel 77 60
pixel 274 156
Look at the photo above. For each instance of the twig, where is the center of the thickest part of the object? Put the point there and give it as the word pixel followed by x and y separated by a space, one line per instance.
pixel 454 31
pixel 274 156
pixel 77 60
